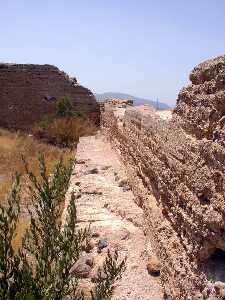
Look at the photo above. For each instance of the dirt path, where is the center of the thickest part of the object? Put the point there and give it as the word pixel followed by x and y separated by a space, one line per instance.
pixel 106 202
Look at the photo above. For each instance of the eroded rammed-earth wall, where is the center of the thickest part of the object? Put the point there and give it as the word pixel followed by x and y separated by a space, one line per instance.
pixel 176 169
pixel 28 92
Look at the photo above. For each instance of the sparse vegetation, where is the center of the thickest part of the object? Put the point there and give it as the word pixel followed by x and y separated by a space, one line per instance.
pixel 65 126
pixel 36 255
pixel 112 271
pixel 40 269
pixel 15 144
pixel 65 132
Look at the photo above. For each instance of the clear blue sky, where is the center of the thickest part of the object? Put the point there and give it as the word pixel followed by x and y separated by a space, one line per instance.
pixel 145 48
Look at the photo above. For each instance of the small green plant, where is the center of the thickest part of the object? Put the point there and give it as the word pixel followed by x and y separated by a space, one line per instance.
pixel 107 276
pixel 8 220
pixel 64 107
pixel 41 268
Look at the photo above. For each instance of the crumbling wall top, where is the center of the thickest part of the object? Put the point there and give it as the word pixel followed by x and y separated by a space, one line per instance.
pixel 200 106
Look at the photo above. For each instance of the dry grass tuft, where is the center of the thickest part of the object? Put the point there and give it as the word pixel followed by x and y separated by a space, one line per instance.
pixel 54 137
pixel 64 132
pixel 12 146
pixel 15 144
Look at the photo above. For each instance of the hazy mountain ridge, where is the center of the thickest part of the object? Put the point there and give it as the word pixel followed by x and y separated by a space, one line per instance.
pixel 137 100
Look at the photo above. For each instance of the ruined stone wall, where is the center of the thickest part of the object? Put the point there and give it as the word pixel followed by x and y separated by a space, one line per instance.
pixel 28 92
pixel 179 180
pixel 201 107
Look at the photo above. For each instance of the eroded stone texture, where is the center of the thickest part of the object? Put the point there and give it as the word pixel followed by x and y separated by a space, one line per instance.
pixel 179 182
pixel 28 92
pixel 201 106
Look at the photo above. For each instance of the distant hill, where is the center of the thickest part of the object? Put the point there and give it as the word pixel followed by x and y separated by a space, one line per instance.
pixel 137 100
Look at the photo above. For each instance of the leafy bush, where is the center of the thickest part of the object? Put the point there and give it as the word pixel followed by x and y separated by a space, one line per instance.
pixel 40 269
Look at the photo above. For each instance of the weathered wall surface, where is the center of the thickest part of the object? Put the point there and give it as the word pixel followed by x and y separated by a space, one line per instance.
pixel 200 106
pixel 27 93
pixel 179 181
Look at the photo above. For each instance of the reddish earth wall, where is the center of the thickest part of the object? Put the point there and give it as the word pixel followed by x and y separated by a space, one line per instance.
pixel 179 180
pixel 27 93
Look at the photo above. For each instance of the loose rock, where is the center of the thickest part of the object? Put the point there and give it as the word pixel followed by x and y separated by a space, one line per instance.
pixel 91 171
pixel 90 245
pixel 122 182
pixel 153 266
pixel 102 244
pixel 95 234
pixel 97 273
pixel 126 188
pixel 80 269
pixel 106 167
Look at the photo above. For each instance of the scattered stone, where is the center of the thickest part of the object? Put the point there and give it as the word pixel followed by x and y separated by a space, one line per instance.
pixel 122 182
pixel 102 244
pixel 97 273
pixel 116 176
pixel 90 245
pixel 106 167
pixel 134 266
pixel 89 260
pixel 83 266
pixel 95 234
pixel 77 195
pixel 130 219
pixel 81 161
pixel 126 188
pixel 167 297
pixel 93 191
pixel 153 266
pixel 80 269
pixel 120 235
pixel 125 234
pixel 92 171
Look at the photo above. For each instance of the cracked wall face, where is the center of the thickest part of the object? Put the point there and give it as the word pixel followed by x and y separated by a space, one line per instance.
pixel 177 173
pixel 28 92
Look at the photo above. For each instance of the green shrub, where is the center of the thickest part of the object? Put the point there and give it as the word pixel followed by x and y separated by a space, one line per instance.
pixel 64 126
pixel 112 271
pixel 64 107
pixel 40 269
